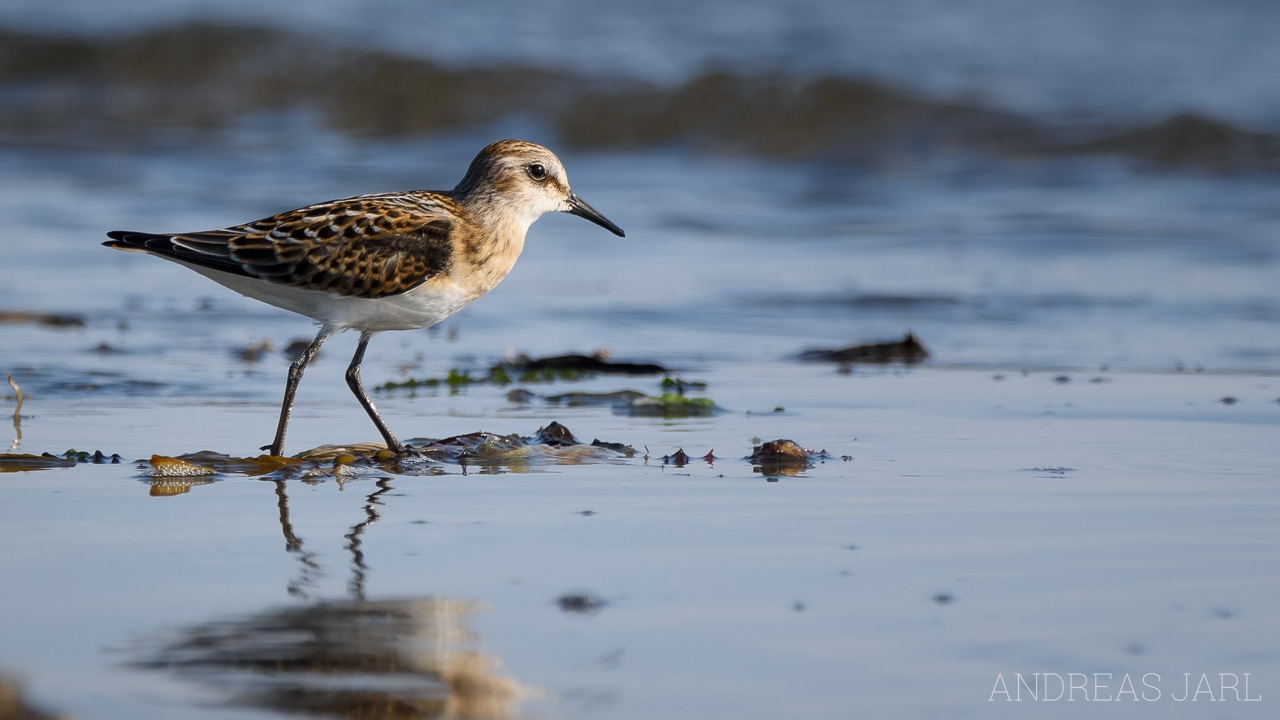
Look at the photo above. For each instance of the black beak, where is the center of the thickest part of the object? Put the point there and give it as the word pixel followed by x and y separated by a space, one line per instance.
pixel 579 207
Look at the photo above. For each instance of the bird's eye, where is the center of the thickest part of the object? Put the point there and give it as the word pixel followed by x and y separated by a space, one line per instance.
pixel 537 171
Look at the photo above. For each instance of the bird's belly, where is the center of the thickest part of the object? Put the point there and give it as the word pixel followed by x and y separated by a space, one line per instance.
pixel 420 307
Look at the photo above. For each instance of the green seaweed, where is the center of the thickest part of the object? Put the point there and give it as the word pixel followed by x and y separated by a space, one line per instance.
pixel 460 378
pixel 410 384
pixel 674 405
pixel 552 375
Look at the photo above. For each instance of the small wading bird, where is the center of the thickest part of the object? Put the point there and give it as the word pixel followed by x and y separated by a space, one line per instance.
pixel 394 261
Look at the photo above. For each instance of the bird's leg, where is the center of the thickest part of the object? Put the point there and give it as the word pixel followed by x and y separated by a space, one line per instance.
pixel 353 382
pixel 290 388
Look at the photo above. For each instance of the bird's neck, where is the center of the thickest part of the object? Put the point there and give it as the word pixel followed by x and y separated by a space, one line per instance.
pixel 496 240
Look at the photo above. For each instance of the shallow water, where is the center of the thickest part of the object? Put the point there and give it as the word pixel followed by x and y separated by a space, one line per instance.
pixel 1082 478
pixel 981 527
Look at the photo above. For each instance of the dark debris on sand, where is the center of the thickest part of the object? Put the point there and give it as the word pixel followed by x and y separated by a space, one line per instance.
pixel 909 350
pixel 783 457
pixel 580 604
pixel 531 370
pixel 12 462
pixel 552 444
pixel 59 320
pixel 772 458
pixel 583 363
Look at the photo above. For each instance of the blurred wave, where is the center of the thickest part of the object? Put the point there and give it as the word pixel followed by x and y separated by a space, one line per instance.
pixel 198 77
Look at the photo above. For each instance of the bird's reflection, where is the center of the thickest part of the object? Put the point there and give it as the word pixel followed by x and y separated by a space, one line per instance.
pixel 405 658
pixel 354 657
pixel 310 569
pixel 358 569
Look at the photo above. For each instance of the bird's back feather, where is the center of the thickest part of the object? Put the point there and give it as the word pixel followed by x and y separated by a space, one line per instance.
pixel 370 246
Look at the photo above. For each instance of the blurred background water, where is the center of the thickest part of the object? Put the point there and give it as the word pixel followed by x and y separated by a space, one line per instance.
pixel 1062 188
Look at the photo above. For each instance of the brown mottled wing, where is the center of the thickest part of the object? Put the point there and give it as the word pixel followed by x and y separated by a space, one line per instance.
pixel 370 246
